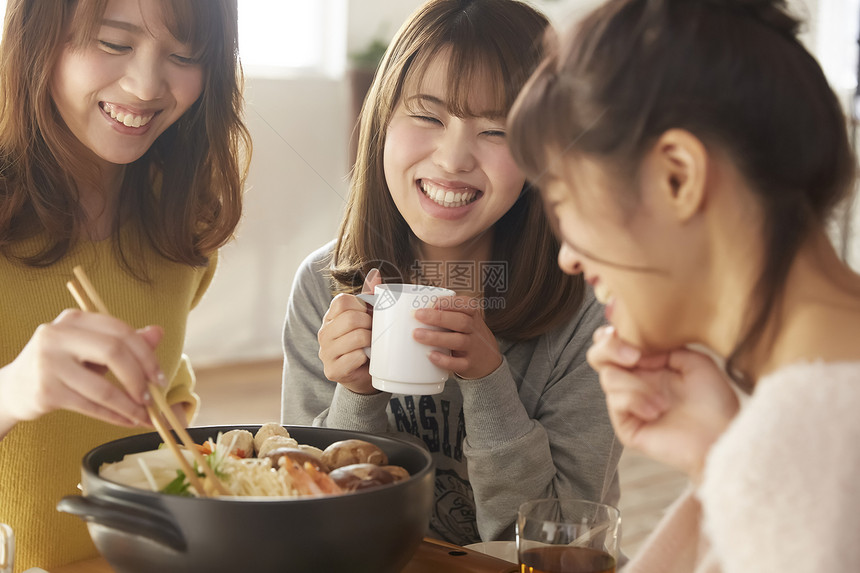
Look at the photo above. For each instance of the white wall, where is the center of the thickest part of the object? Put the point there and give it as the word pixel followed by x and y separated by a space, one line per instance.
pixel 298 185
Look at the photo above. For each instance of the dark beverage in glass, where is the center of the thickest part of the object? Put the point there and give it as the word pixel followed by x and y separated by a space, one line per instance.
pixel 566 559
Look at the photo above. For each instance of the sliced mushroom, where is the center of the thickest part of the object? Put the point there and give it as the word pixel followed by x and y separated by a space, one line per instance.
pixel 397 472
pixel 311 451
pixel 297 455
pixel 357 477
pixel 348 452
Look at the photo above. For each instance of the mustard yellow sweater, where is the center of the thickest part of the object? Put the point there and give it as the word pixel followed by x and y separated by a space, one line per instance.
pixel 40 460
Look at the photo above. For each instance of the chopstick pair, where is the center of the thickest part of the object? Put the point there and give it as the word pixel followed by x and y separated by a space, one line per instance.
pixel 161 414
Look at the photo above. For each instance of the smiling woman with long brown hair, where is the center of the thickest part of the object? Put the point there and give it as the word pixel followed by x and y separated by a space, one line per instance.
pixel 123 150
pixel 436 199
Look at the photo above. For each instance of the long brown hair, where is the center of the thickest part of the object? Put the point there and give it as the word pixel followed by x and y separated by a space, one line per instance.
pixel 504 38
pixel 184 195
pixel 731 72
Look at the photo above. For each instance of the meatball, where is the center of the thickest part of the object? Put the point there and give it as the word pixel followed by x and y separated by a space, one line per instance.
pixel 273 443
pixel 242 440
pixel 266 431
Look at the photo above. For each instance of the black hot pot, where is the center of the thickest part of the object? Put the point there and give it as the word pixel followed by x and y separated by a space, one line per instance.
pixel 138 531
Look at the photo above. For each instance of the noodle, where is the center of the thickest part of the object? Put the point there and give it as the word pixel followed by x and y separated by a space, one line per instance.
pixel 250 476
pixel 255 477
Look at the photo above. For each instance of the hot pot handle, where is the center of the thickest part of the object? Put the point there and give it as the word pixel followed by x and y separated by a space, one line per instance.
pixel 131 519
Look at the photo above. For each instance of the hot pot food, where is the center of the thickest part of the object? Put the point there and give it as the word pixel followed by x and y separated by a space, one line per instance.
pixel 324 500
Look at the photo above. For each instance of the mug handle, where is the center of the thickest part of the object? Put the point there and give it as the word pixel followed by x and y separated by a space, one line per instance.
pixel 371 300
pixel 7 549
pixel 368 298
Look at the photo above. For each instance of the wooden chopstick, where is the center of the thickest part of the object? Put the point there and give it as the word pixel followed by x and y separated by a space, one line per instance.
pixel 90 290
pixel 186 439
pixel 162 407
pixel 157 421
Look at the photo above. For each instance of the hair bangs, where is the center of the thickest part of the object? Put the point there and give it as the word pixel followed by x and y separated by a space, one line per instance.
pixel 86 18
pixel 195 23
pixel 471 83
pixel 490 46
pixel 471 64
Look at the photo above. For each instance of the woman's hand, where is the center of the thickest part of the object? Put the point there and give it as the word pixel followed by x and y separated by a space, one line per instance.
pixel 343 336
pixel 474 350
pixel 62 367
pixel 672 406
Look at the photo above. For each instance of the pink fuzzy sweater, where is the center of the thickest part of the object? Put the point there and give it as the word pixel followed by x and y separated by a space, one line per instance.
pixel 781 490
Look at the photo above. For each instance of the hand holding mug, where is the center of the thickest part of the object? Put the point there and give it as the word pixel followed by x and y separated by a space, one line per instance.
pixel 474 349
pixel 671 406
pixel 343 336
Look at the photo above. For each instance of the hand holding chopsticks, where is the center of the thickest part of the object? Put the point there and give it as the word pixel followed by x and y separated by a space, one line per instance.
pixel 160 413
pixel 62 367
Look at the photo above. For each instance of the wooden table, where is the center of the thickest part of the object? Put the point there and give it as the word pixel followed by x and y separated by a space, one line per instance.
pixel 432 556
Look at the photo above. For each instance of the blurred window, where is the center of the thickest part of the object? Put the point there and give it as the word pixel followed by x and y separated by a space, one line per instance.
pixel 837 42
pixel 280 38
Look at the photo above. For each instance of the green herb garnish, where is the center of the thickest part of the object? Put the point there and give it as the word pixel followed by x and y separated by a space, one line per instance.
pixel 178 486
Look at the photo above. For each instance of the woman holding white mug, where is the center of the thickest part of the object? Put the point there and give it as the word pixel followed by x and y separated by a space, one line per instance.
pixel 436 199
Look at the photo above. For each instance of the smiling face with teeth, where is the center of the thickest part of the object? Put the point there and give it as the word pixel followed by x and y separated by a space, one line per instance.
pixel 646 267
pixel 451 177
pixel 122 91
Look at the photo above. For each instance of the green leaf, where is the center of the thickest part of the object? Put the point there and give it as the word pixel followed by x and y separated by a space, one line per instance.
pixel 178 486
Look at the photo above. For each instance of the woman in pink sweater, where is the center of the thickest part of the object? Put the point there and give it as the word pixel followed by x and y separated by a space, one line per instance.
pixel 691 154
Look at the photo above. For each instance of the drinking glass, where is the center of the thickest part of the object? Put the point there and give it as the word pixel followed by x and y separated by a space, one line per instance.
pixel 567 536
pixel 7 548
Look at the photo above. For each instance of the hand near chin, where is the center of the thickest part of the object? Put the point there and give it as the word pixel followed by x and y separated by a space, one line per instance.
pixel 343 336
pixel 671 406
pixel 474 350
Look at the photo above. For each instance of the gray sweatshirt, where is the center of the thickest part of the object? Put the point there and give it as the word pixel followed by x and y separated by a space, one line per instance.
pixel 536 427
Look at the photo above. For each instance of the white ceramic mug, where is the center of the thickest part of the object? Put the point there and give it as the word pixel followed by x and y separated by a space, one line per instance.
pixel 7 549
pixel 399 363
